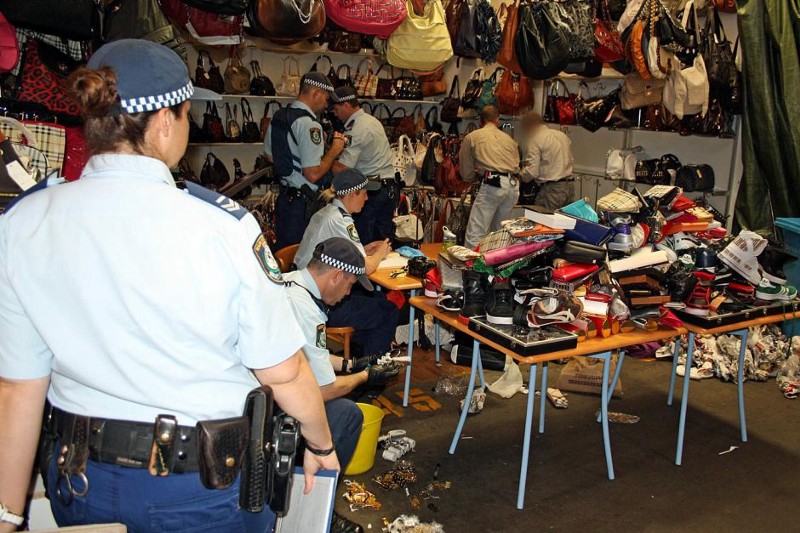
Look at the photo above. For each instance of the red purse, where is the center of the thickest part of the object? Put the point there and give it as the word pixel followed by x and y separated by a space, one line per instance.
pixel 206 27
pixel 372 17
pixel 514 93
pixel 9 48
pixel 608 44
pixel 43 78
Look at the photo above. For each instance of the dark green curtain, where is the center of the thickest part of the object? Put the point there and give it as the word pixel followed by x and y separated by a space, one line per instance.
pixel 770 41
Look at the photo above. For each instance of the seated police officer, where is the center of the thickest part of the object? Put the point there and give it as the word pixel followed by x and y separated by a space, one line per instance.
pixel 491 156
pixel 372 315
pixel 335 266
pixel 139 310
pixel 295 145
pixel 367 150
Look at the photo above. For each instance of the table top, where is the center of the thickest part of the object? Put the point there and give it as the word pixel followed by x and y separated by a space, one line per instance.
pixel 771 319
pixel 587 347
pixel 382 276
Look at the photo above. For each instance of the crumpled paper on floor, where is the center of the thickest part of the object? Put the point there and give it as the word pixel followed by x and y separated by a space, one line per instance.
pixel 510 382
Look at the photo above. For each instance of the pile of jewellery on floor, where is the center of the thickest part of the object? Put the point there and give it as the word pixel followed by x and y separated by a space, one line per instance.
pixel 359 497
pixel 769 354
pixel 411 524
pixel 396 444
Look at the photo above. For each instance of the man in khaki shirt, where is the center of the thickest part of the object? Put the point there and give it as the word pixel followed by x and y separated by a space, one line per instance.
pixel 548 161
pixel 491 156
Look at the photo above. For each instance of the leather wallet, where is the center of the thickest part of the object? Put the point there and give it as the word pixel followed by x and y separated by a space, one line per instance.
pixel 572 272
pixel 582 252
pixel 639 281
pixel 657 299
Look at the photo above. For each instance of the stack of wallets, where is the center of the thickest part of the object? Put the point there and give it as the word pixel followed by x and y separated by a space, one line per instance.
pixel 643 288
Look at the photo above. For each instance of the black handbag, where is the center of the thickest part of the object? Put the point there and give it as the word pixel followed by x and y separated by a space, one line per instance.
pixel 408 88
pixel 432 121
pixel 213 130
pixel 260 85
pixel 695 178
pixel 210 78
pixel 452 102
pixel 582 252
pixel 657 171
pixel 465 42
pixel 419 266
pixel 593 113
pixel 542 45
pixel 717 55
pixel 214 174
pixel 344 80
pixel 72 19
pixel 472 92
pixel 250 131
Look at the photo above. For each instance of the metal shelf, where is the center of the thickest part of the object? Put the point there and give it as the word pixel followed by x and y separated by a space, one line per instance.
pixel 227 144
pixel 363 100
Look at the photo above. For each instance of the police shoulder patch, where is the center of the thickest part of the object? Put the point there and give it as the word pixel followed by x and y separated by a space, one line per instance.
pixel 351 231
pixel 316 135
pixel 322 337
pixel 216 199
pixel 348 141
pixel 267 261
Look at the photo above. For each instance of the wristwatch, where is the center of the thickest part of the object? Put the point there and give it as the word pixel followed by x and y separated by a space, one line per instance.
pixel 8 517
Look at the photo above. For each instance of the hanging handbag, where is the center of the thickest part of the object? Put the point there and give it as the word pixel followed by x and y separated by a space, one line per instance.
pixel 608 45
pixel 420 42
pixel 237 77
pixel 232 129
pixel 578 16
pixel 345 42
pixel 637 92
pixel 402 125
pixel 366 83
pixel 488 96
pixel 408 88
pixel 433 83
pixel 507 56
pixel 332 77
pixel 659 119
pixel 290 81
pixel 717 55
pixel 695 178
pixel 560 109
pixel 488 31
pixel 286 21
pixel 432 120
pixel 43 78
pixel 212 124
pixel 260 85
pixel 465 42
pixel 514 94
pixel 266 119
pixel 452 102
pixel 214 174
pixel 9 47
pixel 203 26
pixel 420 126
pixel 472 93
pixel 403 160
pixel 542 45
pixel 343 78
pixel 385 87
pixel 196 133
pixel 250 130
pixel 731 96
pixel 433 157
pixel 592 113
pixel 728 6
pixel 208 78
pixel 78 20
pixel 373 17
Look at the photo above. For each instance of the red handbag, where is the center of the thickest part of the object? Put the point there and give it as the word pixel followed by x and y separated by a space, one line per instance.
pixel 44 82
pixel 608 44
pixel 9 48
pixel 371 17
pixel 76 155
pixel 514 93
pixel 206 27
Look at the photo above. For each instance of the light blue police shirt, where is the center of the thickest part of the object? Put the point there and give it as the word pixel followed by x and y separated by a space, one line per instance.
pixel 366 146
pixel 312 321
pixel 138 298
pixel 309 147
pixel 333 220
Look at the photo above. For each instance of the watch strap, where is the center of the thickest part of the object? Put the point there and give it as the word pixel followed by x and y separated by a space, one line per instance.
pixel 10 518
pixel 321 453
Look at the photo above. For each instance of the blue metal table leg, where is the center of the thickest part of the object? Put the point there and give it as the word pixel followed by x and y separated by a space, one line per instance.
pixel 532 390
pixel 480 370
pixel 742 422
pixel 675 354
pixel 604 413
pixel 476 357
pixel 620 360
pixel 436 339
pixel 684 400
pixel 410 350
pixel 526 443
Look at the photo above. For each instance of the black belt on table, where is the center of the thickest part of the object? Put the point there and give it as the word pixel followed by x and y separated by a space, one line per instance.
pixel 127 443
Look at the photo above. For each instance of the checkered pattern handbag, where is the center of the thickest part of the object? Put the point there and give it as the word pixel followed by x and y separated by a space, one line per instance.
pixel 619 201
pixel 366 83
pixel 50 139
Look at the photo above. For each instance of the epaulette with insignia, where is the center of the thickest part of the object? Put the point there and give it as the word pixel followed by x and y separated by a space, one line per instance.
pixel 216 199
pixel 344 213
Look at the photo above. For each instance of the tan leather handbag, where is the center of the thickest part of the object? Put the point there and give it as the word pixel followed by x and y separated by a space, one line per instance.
pixel 237 76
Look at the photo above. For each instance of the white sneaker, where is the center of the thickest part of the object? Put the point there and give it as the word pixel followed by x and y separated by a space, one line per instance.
pixel 742 255
pixel 769 291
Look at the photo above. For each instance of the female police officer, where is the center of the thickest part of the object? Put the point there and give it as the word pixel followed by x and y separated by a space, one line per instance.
pixel 127 301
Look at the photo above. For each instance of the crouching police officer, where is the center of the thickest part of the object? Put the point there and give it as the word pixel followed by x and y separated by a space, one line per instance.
pixel 167 309
pixel 295 145
pixel 335 266
pixel 367 150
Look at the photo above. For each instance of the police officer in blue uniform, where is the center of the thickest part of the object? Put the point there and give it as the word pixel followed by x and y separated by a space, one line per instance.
pixel 367 150
pixel 371 314
pixel 295 144
pixel 139 310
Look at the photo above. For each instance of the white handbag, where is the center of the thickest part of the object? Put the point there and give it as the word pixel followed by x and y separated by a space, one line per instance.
pixel 686 90
pixel 403 160
pixel 290 81
pixel 621 163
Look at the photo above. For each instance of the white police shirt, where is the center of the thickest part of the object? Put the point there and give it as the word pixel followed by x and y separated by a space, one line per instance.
pixel 138 298
pixel 312 321
pixel 366 146
pixel 333 220
pixel 309 147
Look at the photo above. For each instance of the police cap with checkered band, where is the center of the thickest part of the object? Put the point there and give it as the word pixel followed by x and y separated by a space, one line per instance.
pixel 320 81
pixel 150 76
pixel 351 180
pixel 341 253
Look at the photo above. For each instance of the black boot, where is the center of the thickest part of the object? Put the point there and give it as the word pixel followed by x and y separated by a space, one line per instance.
pixel 499 304
pixel 340 524
pixel 474 296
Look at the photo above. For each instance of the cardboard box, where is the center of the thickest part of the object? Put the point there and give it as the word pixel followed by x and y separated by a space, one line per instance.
pixel 585 374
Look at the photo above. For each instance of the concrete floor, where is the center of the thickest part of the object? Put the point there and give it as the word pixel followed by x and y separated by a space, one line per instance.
pixel 754 488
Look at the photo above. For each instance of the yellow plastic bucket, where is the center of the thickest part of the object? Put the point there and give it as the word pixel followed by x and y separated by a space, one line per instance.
pixel 364 456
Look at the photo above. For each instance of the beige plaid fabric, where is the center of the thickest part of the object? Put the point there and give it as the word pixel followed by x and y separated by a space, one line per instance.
pixel 619 201
pixel 495 240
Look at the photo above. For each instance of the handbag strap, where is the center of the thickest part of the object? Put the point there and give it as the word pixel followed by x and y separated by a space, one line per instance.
pixel 346 67
pixel 287 69
pixel 321 56
pixel 455 88
pixel 391 115
pixel 434 111
pixel 247 112
pixel 369 66
pixel 268 105
pixel 256 68
pixel 390 70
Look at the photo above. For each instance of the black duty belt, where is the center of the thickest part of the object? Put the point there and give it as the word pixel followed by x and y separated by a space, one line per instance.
pixel 292 192
pixel 127 443
pixel 493 178
pixel 562 180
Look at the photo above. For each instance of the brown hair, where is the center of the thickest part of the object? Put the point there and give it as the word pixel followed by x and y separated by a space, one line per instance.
pixel 106 126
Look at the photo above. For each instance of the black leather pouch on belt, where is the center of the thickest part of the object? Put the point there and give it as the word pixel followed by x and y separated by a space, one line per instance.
pixel 221 446
pixel 314 200
pixel 254 487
